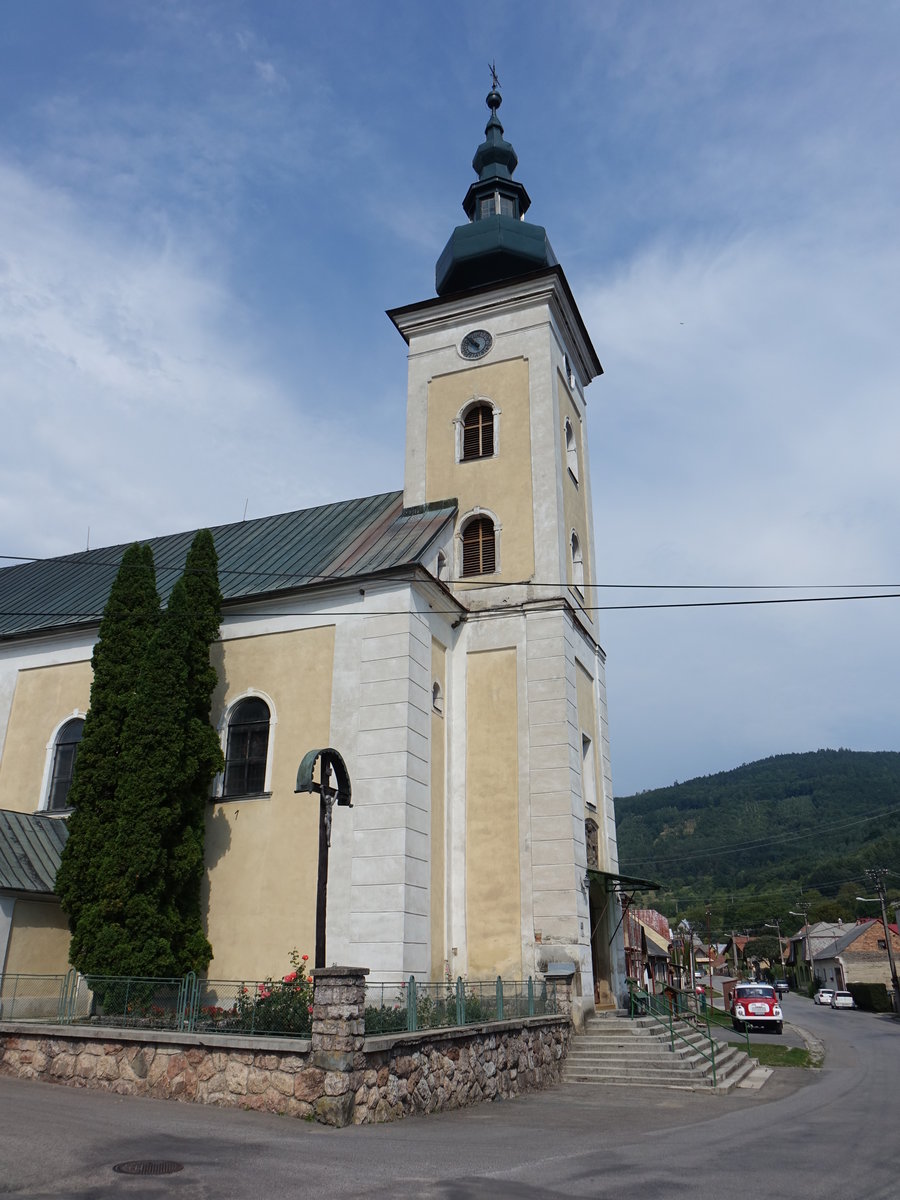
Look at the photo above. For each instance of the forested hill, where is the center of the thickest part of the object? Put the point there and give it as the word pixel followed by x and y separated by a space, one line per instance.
pixel 817 819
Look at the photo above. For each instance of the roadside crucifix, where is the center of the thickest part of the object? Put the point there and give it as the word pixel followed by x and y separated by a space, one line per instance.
pixel 333 786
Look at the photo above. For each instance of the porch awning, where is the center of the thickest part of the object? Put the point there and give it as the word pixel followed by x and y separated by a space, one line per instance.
pixel 612 881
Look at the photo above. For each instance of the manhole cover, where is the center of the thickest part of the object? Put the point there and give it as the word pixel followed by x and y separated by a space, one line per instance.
pixel 148 1166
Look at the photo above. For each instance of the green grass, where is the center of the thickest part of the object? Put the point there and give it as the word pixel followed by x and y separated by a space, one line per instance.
pixel 782 1056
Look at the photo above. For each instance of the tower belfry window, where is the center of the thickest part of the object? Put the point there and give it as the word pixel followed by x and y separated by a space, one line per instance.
pixel 479 547
pixel 478 433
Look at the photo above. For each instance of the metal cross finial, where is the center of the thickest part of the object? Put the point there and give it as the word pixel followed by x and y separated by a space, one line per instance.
pixel 495 82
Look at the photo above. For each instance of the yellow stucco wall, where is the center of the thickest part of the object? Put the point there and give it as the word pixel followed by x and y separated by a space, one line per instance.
pixel 261 855
pixel 438 810
pixel 38 939
pixel 501 484
pixel 43 699
pixel 493 904
pixel 573 491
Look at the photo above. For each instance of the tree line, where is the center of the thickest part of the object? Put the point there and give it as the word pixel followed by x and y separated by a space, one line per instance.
pixel 790 832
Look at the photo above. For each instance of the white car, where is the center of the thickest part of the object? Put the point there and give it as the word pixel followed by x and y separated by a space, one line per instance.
pixel 842 1000
pixel 823 996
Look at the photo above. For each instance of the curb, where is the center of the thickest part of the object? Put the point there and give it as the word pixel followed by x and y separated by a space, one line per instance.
pixel 813 1045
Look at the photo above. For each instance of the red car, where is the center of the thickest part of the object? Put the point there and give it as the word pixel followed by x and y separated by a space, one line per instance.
pixel 756 1004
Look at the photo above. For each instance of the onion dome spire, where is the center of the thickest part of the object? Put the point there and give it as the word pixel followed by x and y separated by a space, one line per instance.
pixel 497 243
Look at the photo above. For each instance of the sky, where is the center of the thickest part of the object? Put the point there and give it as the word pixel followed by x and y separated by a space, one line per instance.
pixel 207 207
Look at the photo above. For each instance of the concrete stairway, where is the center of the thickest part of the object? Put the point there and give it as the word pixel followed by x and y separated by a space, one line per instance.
pixel 617 1051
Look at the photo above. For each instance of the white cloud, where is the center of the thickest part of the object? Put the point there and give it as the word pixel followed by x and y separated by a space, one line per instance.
pixel 132 401
pixel 745 433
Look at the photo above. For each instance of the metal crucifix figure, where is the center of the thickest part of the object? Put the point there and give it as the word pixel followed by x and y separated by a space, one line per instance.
pixel 333 786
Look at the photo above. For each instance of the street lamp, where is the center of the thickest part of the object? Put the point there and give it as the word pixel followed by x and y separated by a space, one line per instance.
pixel 879 899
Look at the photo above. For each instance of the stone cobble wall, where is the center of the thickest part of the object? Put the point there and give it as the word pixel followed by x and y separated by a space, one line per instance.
pixel 338 1077
pixel 258 1079
pixel 434 1073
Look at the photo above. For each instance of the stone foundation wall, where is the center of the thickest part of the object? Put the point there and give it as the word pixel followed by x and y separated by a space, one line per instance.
pixel 173 1067
pixel 338 1077
pixel 456 1068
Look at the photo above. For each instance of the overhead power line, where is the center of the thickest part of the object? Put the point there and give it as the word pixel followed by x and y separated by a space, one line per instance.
pixel 505 611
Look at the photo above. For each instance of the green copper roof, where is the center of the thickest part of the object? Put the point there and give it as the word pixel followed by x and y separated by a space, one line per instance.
pixel 30 846
pixel 262 557
pixel 497 243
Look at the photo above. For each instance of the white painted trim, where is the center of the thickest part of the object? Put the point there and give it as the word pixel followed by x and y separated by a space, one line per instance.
pixel 571 450
pixel 473 402
pixel 248 694
pixel 44 799
pixel 461 524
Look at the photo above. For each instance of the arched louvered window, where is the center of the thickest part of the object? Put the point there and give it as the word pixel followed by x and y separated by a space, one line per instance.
pixel 65 751
pixel 247 748
pixel 571 451
pixel 479 547
pixel 577 563
pixel 478 432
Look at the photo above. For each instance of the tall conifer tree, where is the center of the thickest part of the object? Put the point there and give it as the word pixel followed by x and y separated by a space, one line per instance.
pixel 89 860
pixel 201 611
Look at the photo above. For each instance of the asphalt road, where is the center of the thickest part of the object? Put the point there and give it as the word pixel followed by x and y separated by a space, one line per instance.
pixel 805 1134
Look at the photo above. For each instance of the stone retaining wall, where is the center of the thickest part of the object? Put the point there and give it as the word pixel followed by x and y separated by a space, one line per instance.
pixel 338 1077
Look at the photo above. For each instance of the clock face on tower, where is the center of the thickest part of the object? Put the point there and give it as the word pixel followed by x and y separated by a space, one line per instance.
pixel 476 344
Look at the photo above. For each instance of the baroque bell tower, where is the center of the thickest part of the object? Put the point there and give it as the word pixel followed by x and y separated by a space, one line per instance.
pixel 499 362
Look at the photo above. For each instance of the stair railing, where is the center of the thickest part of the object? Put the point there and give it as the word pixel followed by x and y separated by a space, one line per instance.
pixel 661 1009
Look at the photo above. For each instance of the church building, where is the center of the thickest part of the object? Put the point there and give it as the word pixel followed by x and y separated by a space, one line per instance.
pixel 440 638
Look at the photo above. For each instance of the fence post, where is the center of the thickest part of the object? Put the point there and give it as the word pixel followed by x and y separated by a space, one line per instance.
pixel 460 1002
pixel 338 1038
pixel 530 996
pixel 499 998
pixel 412 1006
pixel 64 1006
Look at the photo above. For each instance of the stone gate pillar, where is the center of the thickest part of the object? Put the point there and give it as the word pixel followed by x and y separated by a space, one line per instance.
pixel 338 1035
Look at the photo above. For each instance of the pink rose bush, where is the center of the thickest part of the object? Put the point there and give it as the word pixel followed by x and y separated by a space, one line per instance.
pixel 280 1006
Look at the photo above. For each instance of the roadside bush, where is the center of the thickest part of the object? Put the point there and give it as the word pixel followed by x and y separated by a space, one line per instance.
pixel 872 997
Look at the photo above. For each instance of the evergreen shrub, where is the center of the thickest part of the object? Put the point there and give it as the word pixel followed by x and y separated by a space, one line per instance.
pixel 871 997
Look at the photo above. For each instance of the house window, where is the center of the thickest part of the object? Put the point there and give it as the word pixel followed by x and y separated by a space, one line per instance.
pixel 882 944
pixel 577 564
pixel 65 751
pixel 478 433
pixel 571 451
pixel 247 748
pixel 479 547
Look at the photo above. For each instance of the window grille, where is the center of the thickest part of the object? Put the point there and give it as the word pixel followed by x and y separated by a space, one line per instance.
pixel 65 751
pixel 247 749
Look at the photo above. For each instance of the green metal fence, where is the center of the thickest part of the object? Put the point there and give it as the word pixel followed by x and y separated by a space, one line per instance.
pixel 282 1008
pixel 411 1005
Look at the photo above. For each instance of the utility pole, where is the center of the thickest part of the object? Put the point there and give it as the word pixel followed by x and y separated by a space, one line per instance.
pixel 804 913
pixel 876 877
pixel 776 925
